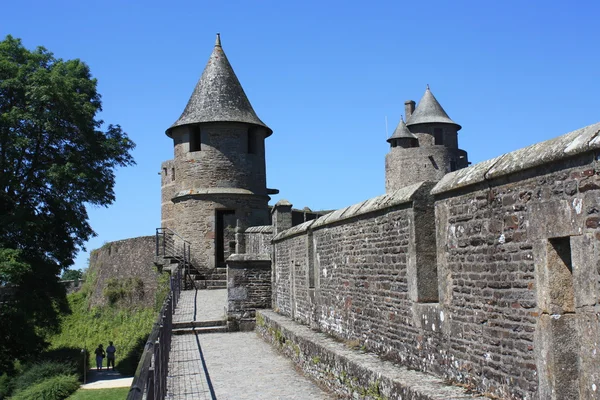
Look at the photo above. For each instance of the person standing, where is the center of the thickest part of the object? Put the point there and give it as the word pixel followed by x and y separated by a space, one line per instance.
pixel 110 356
pixel 99 356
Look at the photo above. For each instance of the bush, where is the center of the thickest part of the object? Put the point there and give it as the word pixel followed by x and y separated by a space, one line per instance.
pixel 56 388
pixel 69 355
pixel 126 292
pixel 41 371
pixel 6 386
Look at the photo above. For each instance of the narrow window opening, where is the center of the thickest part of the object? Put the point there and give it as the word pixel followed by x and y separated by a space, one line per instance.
pixel 225 235
pixel 172 174
pixel 560 274
pixel 195 138
pixel 252 141
pixel 311 260
pixel 561 375
pixel 438 135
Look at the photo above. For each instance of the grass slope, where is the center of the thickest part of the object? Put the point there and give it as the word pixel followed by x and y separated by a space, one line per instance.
pixel 128 327
pixel 100 394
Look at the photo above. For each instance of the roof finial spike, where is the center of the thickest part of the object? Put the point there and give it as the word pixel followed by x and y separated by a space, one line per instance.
pixel 402 118
pixel 218 41
pixel 428 86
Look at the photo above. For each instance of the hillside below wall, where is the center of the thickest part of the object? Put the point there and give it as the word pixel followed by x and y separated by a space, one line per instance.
pixel 123 259
pixel 518 274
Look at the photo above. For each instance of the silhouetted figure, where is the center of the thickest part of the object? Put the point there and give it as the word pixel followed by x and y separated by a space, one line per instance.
pixel 100 354
pixel 110 356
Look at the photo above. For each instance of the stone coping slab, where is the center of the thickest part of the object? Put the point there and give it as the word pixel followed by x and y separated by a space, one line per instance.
pixel 549 151
pixel 248 257
pixel 348 372
pixel 214 191
pixel 260 229
pixel 397 197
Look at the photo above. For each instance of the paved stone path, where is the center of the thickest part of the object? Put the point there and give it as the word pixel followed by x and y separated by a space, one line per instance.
pixel 229 366
pixel 105 379
pixel 210 305
pixel 240 366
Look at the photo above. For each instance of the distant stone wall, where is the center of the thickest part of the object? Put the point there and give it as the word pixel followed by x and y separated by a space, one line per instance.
pixel 516 273
pixel 257 239
pixel 129 258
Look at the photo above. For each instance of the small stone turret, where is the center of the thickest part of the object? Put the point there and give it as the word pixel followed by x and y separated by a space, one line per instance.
pixel 402 137
pixel 218 175
pixel 425 148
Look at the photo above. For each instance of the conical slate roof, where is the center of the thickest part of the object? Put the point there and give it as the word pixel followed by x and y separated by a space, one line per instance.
pixel 429 111
pixel 401 132
pixel 218 96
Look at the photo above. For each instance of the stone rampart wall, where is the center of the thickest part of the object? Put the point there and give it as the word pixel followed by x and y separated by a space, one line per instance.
pixel 123 259
pixel 517 267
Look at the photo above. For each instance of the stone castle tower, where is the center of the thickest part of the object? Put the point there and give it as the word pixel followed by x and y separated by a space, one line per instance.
pixel 218 174
pixel 424 148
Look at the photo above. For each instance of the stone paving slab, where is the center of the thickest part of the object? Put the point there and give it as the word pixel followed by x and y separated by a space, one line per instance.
pixel 240 366
pixel 209 305
pixel 186 379
pixel 243 367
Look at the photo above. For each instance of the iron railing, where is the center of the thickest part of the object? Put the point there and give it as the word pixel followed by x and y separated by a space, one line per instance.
pixel 150 380
pixel 171 246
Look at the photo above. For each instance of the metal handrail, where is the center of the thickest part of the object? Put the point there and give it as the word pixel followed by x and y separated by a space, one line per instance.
pixel 169 245
pixel 150 379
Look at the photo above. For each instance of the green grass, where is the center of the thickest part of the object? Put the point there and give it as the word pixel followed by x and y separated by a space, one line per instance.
pixel 128 327
pixel 100 394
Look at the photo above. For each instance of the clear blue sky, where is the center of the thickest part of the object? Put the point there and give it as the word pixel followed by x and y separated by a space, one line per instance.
pixel 324 75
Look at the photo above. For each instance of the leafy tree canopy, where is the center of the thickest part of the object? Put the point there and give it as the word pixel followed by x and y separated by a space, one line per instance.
pixel 71 274
pixel 54 159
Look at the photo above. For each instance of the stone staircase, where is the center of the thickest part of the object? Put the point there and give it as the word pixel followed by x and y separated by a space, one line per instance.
pixel 173 252
pixel 209 278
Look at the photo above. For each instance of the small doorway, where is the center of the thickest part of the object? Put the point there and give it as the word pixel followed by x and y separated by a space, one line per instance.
pixel 225 236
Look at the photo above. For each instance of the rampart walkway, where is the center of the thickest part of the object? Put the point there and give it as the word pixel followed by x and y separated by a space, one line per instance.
pixel 228 366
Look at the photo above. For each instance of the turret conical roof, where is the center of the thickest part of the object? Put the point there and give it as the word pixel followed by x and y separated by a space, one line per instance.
pixel 429 111
pixel 218 96
pixel 401 132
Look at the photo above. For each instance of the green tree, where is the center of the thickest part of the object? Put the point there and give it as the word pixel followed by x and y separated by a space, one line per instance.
pixel 71 274
pixel 54 159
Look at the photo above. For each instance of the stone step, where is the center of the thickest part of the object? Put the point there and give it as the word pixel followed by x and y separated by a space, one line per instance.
pixel 199 324
pixel 216 284
pixel 218 277
pixel 206 329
